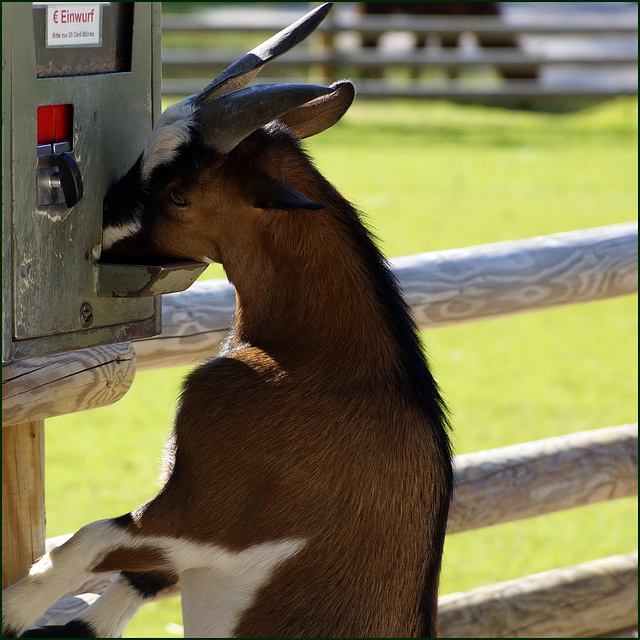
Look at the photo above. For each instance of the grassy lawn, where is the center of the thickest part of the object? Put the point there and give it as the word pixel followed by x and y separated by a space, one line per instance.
pixel 431 175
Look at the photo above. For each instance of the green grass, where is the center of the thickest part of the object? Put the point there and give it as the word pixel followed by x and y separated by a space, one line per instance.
pixel 429 176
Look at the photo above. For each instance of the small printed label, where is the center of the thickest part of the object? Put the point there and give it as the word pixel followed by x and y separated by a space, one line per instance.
pixel 74 25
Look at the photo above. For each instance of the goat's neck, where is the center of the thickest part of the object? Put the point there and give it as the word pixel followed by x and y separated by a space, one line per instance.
pixel 304 289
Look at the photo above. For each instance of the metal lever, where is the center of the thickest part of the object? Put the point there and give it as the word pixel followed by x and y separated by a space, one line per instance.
pixel 69 178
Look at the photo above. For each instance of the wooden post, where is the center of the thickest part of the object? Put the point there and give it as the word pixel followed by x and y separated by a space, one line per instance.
pixel 23 521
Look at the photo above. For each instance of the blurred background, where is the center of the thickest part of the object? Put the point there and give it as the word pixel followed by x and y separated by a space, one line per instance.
pixel 466 130
pixel 517 53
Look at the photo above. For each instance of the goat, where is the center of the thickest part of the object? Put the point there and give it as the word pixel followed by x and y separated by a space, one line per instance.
pixel 308 478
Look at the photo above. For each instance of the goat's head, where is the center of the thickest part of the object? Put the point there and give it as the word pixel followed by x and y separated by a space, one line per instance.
pixel 205 168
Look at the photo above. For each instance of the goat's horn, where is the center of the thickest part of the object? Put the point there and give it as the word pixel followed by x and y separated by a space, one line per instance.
pixel 229 119
pixel 240 73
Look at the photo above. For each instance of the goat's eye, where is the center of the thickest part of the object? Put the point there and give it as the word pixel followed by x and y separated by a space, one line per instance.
pixel 178 199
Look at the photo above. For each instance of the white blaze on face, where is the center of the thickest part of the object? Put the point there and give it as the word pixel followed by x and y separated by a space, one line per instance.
pixel 111 235
pixel 172 130
pixel 114 233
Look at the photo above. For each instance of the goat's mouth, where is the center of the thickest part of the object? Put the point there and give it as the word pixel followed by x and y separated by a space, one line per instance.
pixel 120 255
pixel 127 244
pixel 130 268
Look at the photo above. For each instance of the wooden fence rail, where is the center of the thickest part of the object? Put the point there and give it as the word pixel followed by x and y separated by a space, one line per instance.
pixel 544 476
pixel 509 483
pixel 442 288
pixel 327 61
pixel 44 387
pixel 591 599
pixel 420 25
pixel 182 61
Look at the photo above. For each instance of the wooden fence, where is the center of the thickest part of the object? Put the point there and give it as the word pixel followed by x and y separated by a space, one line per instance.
pixel 324 60
pixel 591 599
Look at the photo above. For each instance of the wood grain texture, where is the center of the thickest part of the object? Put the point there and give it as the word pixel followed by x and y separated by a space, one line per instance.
pixel 23 518
pixel 530 479
pixel 442 288
pixel 477 283
pixel 39 388
pixel 194 325
pixel 581 601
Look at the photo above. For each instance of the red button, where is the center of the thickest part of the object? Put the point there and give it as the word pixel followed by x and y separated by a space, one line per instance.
pixel 55 123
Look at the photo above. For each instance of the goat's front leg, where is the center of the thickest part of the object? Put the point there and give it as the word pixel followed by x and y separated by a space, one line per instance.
pixel 104 545
pixel 109 615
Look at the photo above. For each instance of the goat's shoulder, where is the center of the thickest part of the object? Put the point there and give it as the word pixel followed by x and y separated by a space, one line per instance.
pixel 245 368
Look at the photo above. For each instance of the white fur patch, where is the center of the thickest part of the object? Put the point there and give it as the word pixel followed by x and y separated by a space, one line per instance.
pixel 113 610
pixel 215 596
pixel 217 585
pixel 58 572
pixel 111 235
pixel 172 130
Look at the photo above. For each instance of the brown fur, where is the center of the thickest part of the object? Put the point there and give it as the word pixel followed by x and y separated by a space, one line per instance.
pixel 306 428
pixel 136 559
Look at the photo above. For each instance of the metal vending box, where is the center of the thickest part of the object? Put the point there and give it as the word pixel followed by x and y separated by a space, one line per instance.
pixel 80 94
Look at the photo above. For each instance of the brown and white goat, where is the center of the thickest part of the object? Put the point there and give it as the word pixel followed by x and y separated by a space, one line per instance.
pixel 308 475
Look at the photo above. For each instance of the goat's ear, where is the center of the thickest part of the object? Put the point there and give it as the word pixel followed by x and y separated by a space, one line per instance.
pixel 321 113
pixel 272 194
pixel 228 120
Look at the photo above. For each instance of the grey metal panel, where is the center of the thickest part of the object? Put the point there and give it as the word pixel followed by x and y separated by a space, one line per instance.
pixel 156 58
pixel 7 254
pixel 54 264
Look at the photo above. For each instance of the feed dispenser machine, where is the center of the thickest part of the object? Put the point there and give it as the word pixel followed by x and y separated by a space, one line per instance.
pixel 80 94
